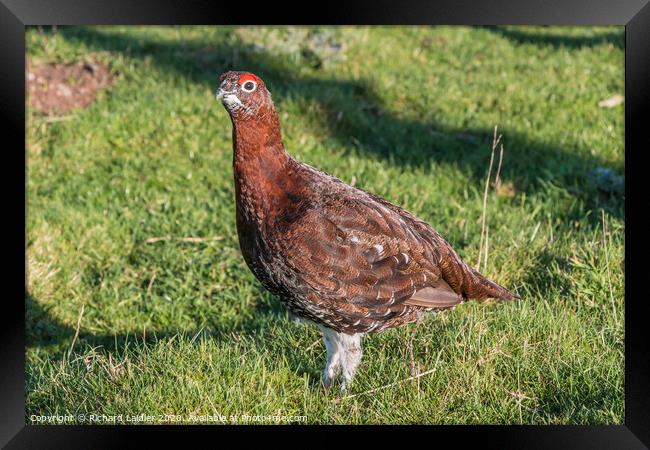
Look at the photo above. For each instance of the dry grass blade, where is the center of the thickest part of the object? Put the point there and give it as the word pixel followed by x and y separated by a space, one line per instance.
pixel 52 119
pixel 609 276
pixel 495 142
pixel 115 371
pixel 313 344
pixel 487 246
pixel 497 178
pixel 190 239
pixel 76 333
pixel 196 335
pixel 150 285
pixel 388 385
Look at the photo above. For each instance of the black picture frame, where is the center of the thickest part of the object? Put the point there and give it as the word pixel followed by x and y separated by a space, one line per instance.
pixel 634 14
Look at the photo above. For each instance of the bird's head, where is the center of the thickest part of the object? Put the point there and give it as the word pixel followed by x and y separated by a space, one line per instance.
pixel 243 94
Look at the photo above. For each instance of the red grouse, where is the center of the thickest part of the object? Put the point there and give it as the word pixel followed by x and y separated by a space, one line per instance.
pixel 339 256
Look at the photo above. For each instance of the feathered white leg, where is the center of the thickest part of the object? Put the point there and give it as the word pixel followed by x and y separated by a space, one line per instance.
pixel 343 354
pixel 350 357
pixel 333 365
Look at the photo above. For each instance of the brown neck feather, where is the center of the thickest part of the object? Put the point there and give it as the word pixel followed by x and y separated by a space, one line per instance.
pixel 262 167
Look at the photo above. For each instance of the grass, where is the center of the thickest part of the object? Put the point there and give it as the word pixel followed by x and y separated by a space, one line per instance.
pixel 175 328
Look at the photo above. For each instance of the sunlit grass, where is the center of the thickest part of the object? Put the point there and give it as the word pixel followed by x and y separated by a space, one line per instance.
pixel 183 328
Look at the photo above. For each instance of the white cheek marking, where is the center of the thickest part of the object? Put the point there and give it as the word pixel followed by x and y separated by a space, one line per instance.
pixel 232 98
pixel 379 248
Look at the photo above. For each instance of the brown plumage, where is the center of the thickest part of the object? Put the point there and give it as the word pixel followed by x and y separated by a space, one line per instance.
pixel 339 256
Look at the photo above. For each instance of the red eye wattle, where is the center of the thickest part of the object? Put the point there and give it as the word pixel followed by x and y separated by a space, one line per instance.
pixel 247 77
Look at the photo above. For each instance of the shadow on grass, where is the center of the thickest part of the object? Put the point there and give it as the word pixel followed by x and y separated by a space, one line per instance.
pixel 44 330
pixel 596 400
pixel 355 117
pixel 541 281
pixel 559 40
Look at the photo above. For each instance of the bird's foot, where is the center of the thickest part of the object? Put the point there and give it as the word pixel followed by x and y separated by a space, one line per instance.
pixel 326 383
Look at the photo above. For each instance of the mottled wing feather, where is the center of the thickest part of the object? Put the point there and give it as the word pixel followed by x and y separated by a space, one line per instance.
pixel 461 278
pixel 439 297
pixel 369 257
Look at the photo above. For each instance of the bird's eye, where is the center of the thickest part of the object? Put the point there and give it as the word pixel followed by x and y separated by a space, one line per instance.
pixel 249 86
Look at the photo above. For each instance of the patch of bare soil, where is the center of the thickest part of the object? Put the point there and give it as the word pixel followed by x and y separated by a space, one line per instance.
pixel 54 88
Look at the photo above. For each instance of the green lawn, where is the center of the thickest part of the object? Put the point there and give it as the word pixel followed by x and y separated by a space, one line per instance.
pixel 183 328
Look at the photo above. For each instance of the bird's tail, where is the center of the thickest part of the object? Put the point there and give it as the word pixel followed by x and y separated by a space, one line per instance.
pixel 463 279
pixel 470 283
pixel 484 288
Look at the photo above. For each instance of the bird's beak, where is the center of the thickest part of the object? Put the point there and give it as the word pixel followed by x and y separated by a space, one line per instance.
pixel 220 92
